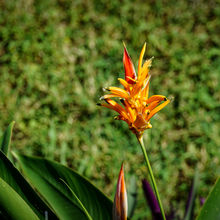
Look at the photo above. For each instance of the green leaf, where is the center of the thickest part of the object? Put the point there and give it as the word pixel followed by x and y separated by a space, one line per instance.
pixel 132 196
pixel 12 206
pixel 49 177
pixel 79 202
pixel 192 197
pixel 6 139
pixel 13 177
pixel 211 208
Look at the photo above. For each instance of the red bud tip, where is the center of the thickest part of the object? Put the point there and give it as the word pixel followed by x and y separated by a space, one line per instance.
pixel 120 201
pixel 130 74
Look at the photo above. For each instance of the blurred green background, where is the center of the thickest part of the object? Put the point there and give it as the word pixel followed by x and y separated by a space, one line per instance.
pixel 55 58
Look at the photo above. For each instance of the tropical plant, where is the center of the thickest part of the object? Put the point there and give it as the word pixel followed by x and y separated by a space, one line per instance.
pixel 45 189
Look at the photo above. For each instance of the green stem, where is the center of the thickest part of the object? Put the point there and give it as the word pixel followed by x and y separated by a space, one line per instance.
pixel 140 139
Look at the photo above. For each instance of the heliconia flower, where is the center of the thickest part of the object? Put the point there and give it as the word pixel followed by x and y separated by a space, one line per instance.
pixel 137 108
pixel 120 205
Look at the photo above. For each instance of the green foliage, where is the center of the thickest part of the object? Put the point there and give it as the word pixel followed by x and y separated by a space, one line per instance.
pixel 211 209
pixel 10 175
pixel 192 197
pixel 68 193
pixel 6 139
pixel 12 205
pixel 55 57
pixel 132 196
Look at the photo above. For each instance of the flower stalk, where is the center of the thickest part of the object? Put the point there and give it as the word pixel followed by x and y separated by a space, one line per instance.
pixel 140 140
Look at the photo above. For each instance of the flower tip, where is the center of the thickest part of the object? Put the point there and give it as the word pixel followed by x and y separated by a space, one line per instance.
pixel 125 50
pixel 144 47
pixel 120 201
pixel 124 44
pixel 122 169
pixel 126 55
pixel 171 98
pixel 151 60
pixel 106 89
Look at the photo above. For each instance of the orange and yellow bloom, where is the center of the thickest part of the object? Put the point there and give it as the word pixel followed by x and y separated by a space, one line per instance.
pixel 120 206
pixel 137 108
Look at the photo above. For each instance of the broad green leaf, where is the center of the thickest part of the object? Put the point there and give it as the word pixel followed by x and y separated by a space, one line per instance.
pixel 6 139
pixel 79 202
pixel 211 208
pixel 132 196
pixel 48 177
pixel 12 206
pixel 14 178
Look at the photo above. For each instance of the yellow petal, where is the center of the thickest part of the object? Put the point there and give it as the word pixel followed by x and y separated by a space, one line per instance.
pixel 157 109
pixel 108 96
pixel 145 90
pixel 156 98
pixel 144 75
pixel 145 69
pixel 117 107
pixel 129 110
pixel 140 60
pixel 153 105
pixel 118 91
pixel 124 83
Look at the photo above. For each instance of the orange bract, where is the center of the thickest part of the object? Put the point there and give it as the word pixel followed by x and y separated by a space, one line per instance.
pixel 137 109
pixel 120 205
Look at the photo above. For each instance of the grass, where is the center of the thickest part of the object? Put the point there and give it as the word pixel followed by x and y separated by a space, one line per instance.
pixel 56 56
